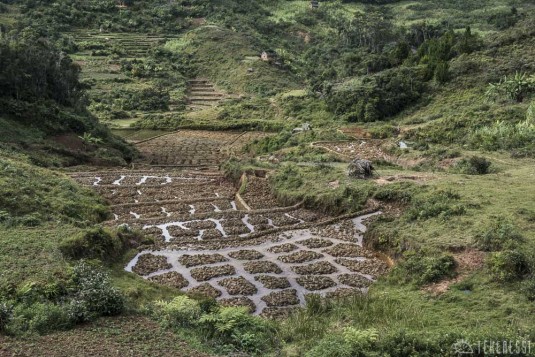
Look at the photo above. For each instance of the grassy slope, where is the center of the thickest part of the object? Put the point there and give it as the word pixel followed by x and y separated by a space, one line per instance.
pixel 58 208
pixel 227 58
pixel 479 306
pixel 32 195
pixel 123 336
pixel 489 307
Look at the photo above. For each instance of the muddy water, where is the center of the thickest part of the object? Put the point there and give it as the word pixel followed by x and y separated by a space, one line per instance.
pixel 294 237
pixel 205 215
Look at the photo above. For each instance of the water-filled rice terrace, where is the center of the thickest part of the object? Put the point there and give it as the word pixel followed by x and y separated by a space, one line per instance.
pixel 207 242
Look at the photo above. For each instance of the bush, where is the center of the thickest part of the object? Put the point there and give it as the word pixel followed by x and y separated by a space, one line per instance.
pixel 508 265
pixel 476 165
pixel 402 344
pixel 427 269
pixel 289 178
pixel 43 307
pixel 505 136
pixel 93 294
pixel 6 314
pixel 181 311
pixel 233 169
pixel 376 97
pixel 528 288
pixel 234 328
pixel 442 72
pixel 435 204
pixel 401 192
pixel 351 343
pixel 38 317
pixel 384 131
pixel 332 345
pixel 515 88
pixel 99 243
pixel 501 234
pixel 49 317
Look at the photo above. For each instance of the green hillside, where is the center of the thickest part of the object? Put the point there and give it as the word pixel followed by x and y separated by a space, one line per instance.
pixel 118 118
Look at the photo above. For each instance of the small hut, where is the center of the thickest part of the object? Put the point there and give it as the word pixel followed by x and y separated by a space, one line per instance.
pixel 269 56
pixel 304 127
pixel 314 4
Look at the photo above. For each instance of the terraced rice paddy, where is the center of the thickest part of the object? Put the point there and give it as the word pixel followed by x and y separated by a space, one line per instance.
pixel 267 258
pixel 133 44
pixel 194 149
pixel 108 59
pixel 203 94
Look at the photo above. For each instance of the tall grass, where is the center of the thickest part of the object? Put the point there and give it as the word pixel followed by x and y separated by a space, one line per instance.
pixel 505 136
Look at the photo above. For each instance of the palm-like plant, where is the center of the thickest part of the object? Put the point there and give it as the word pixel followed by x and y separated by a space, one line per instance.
pixel 88 138
pixel 515 88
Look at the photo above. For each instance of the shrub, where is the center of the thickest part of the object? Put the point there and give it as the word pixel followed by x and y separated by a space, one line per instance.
pixel 378 96
pixel 290 178
pixel 505 136
pixel 402 343
pixel 528 288
pixel 233 169
pixel 99 243
pixel 181 311
pixel 398 192
pixel 499 235
pixel 351 343
pixel 427 269
pixel 32 291
pixel 38 317
pixel 6 314
pixel 504 20
pixel 475 165
pixel 93 294
pixel 442 72
pixel 234 328
pixel 49 317
pixel 436 203
pixel 508 265
pixel 384 131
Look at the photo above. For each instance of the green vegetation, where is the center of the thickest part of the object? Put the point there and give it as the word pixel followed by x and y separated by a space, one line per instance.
pixel 82 295
pixel 99 243
pixel 226 329
pixel 453 80
pixel 425 269
pixel 32 196
pixel 293 184
pixel 41 93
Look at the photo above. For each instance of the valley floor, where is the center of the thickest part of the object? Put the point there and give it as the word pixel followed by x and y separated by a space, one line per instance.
pixel 241 246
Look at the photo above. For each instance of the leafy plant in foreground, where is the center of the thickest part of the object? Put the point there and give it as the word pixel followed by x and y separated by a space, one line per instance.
pixel 94 294
pixel 181 311
pixel 235 329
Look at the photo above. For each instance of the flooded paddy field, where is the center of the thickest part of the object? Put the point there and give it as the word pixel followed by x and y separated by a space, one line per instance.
pixel 260 255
